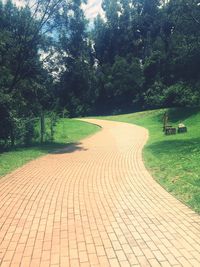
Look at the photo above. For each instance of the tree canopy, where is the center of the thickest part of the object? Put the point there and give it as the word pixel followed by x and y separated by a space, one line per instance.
pixel 141 54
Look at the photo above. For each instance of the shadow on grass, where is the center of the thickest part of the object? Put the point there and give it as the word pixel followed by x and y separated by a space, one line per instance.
pixel 182 147
pixel 48 148
pixel 181 114
pixel 176 115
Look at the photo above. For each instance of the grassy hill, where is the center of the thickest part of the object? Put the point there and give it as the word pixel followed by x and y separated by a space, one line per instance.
pixel 174 161
pixel 67 131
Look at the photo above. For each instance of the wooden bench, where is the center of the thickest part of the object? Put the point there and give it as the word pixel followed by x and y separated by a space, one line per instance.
pixel 169 130
pixel 182 129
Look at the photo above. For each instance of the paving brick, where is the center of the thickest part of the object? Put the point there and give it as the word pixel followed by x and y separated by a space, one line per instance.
pixel 94 204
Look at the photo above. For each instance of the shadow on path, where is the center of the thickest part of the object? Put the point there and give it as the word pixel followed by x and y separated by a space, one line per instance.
pixel 70 148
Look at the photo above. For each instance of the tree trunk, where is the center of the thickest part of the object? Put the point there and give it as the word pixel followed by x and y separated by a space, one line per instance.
pixel 42 127
pixel 12 136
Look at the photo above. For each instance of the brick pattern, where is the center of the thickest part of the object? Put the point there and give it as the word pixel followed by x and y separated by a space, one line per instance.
pixel 95 204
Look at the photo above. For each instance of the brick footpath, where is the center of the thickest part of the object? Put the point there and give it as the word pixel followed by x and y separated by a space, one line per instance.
pixel 95 204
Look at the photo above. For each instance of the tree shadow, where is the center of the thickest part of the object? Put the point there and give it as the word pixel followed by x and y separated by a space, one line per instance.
pixel 70 148
pixel 181 114
pixel 47 148
pixel 183 147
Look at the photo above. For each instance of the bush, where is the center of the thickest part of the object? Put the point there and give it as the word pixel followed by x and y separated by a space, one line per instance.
pixel 181 94
pixel 154 97
pixel 22 131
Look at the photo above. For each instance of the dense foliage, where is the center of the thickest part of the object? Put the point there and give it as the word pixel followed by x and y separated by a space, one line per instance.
pixel 142 54
pixel 24 83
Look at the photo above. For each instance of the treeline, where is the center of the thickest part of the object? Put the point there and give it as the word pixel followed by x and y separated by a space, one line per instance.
pixel 142 54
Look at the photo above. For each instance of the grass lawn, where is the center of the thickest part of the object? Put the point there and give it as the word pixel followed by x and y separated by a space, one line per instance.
pixel 66 131
pixel 174 161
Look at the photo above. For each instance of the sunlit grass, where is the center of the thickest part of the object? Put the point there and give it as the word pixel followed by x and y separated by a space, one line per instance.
pixel 66 131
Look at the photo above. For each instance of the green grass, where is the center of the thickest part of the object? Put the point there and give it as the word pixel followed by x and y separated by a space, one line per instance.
pixel 66 132
pixel 174 161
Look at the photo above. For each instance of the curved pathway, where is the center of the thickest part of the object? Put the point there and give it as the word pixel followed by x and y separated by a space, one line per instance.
pixel 94 204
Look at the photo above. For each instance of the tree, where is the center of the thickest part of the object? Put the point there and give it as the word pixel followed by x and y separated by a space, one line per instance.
pixel 23 80
pixel 75 88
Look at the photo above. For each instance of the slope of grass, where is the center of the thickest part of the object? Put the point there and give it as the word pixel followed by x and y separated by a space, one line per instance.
pixel 66 132
pixel 174 161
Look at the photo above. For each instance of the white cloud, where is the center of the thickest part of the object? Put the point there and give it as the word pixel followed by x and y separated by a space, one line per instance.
pixel 19 3
pixel 93 8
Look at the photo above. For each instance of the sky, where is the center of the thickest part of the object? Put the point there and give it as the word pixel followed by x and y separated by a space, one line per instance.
pixel 92 9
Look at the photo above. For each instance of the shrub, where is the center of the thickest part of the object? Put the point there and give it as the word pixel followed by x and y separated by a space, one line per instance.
pixel 154 97
pixel 181 94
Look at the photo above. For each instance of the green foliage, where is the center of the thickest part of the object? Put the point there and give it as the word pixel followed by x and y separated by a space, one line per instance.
pixel 181 94
pixel 75 89
pixel 142 54
pixel 178 95
pixel 155 96
pixel 24 84
pixel 122 82
pixel 154 34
